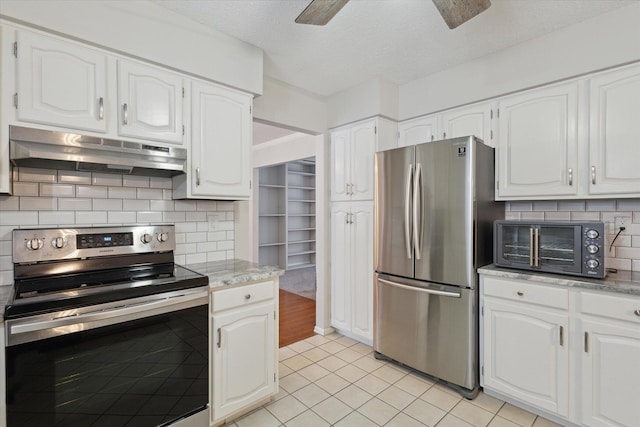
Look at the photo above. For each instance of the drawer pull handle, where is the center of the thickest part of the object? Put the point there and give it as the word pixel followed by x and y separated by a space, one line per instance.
pixel 561 336
pixel 637 312
pixel 247 296
pixel 586 342
pixel 219 338
pixel 520 294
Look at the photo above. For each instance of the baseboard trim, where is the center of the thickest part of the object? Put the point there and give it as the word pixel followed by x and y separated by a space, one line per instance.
pixel 323 331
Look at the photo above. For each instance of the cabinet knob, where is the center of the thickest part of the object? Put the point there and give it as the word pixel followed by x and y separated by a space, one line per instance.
pixel 570 177
pixel 520 294
pixel 637 312
pixel 247 296
pixel 593 175
pixel 101 108
pixel 125 114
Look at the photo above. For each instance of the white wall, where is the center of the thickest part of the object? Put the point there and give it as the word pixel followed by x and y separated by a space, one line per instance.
pixel 290 107
pixel 372 98
pixel 602 42
pixel 148 31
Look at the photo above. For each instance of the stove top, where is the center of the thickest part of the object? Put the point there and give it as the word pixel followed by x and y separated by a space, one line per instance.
pixel 83 267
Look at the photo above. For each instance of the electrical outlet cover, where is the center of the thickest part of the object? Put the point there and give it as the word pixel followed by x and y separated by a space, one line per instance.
pixel 621 221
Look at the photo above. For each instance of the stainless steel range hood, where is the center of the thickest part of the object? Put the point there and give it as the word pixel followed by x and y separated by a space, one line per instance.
pixel 38 148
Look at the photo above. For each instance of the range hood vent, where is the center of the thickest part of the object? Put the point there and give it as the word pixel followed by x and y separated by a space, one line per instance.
pixel 38 148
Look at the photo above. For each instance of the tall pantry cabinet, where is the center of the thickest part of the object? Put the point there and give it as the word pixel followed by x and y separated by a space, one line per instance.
pixel 352 180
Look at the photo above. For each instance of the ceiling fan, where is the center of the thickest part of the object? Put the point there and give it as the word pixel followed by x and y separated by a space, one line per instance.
pixel 454 12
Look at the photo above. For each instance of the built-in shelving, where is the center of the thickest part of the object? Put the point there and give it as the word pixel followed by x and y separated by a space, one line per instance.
pixel 287 211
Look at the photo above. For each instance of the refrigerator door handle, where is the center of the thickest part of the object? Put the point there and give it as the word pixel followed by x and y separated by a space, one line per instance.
pixel 418 219
pixel 423 290
pixel 407 211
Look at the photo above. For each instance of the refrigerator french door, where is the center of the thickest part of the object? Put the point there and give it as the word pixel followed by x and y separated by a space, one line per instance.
pixel 434 214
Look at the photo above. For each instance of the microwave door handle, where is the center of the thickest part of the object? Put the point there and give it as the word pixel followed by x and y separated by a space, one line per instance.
pixel 407 211
pixel 531 247
pixel 536 247
pixel 418 219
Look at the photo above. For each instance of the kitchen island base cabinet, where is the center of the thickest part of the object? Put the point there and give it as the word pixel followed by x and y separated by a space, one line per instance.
pixel 243 349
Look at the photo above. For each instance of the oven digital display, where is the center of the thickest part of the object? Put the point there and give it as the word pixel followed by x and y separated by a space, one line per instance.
pixel 88 241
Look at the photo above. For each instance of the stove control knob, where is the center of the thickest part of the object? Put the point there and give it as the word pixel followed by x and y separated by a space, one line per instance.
pixel 163 237
pixel 58 242
pixel 146 238
pixel 592 249
pixel 35 244
pixel 593 263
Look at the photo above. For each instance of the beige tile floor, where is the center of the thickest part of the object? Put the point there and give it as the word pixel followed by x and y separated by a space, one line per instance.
pixel 336 381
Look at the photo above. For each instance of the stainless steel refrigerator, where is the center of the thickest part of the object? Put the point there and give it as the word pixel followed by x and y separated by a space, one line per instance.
pixel 434 213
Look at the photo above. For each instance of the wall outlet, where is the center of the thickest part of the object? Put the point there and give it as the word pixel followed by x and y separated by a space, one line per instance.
pixel 621 221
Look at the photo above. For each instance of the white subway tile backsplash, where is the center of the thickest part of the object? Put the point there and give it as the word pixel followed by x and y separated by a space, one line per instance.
pixel 167 194
pixel 161 205
pixel 635 265
pixel 107 204
pixel 9 203
pixel 93 192
pixel 226 245
pixel 149 193
pixel 520 206
pixel 635 241
pixel 69 204
pixel 118 217
pixel 216 236
pixel 571 205
pixel 601 205
pixel 26 189
pixel 195 237
pixel 216 256
pixel 161 182
pixel 185 205
pixel 38 203
pixel 180 259
pixel 195 216
pixel 74 177
pixel 229 216
pixel 93 217
pixel 224 206
pixel 207 205
pixel 196 258
pixel 585 216
pixel 149 217
pixel 630 253
pixel 532 216
pixel 557 216
pixel 6 231
pixel 618 263
pixel 175 216
pixel 181 238
pixel 135 205
pixel 545 206
pixel 636 217
pixel 187 248
pixel 37 175
pixel 107 179
pixel 6 248
pixel 56 218
pixel 512 215
pixel 122 193
pixel 628 204
pixel 202 227
pixel 230 235
pixel 6 263
pixel 207 246
pixel 230 254
pixel 57 190
pixel 135 181
pixel 186 227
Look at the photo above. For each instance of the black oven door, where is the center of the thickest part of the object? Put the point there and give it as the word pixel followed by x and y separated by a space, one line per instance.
pixel 142 365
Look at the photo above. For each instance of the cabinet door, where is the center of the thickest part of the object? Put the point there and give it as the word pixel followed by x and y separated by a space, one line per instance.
pixel 526 354
pixel 417 131
pixel 60 83
pixel 363 147
pixel 610 373
pixel 149 103
pixel 362 270
pixel 340 268
pixel 614 128
pixel 220 142
pixel 537 143
pixel 243 351
pixel 340 163
pixel 474 120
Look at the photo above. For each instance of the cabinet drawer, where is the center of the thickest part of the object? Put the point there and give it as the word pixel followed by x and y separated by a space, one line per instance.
pixel 518 290
pixel 625 307
pixel 242 295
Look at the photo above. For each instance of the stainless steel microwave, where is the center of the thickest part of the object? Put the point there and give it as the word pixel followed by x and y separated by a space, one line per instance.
pixel 564 247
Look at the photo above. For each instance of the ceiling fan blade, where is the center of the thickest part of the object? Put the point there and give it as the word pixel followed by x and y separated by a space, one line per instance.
pixel 457 12
pixel 319 12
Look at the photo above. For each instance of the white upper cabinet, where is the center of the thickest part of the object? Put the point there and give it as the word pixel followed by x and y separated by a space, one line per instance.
pixel 473 120
pixel 614 140
pixel 352 150
pixel 60 83
pixel 417 131
pixel 149 103
pixel 220 152
pixel 537 143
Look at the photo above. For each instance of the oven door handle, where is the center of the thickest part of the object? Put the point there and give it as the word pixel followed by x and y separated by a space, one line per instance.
pixel 24 330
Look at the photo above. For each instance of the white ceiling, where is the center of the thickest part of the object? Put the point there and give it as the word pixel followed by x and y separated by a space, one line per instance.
pixel 395 40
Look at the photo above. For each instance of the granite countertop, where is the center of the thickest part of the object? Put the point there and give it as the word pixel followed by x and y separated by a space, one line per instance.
pixel 624 282
pixel 235 271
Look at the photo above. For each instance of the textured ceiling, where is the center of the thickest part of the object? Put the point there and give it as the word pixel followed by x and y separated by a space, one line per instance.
pixel 395 40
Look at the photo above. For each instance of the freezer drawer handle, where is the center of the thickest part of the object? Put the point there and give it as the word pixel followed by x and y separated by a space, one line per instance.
pixel 418 218
pixel 426 291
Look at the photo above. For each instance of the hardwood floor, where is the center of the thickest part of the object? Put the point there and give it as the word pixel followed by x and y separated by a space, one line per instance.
pixel 297 318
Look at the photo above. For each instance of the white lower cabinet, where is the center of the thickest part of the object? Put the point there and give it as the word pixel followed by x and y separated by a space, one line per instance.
pixel 243 348
pixel 352 269
pixel 610 360
pixel 571 353
pixel 526 349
